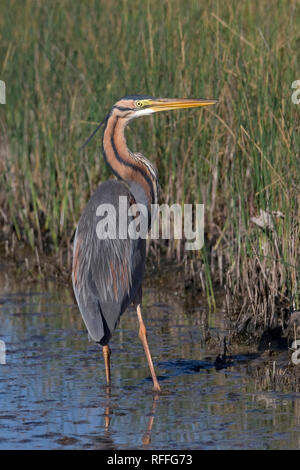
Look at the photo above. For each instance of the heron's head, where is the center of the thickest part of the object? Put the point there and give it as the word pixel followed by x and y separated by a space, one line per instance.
pixel 134 106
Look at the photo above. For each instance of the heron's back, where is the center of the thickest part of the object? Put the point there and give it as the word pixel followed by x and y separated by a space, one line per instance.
pixel 107 273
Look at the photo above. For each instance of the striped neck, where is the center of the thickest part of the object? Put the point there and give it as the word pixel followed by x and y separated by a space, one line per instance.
pixel 133 168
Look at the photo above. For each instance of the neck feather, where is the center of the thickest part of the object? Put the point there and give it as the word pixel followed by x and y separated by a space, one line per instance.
pixel 133 168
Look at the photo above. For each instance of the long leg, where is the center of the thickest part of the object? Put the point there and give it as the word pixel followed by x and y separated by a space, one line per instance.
pixel 143 338
pixel 106 355
pixel 107 411
pixel 146 439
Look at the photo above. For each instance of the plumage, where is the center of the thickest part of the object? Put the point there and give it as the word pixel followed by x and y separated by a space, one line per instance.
pixel 108 273
pixel 108 268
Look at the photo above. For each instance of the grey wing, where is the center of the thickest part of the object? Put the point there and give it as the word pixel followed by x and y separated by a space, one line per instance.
pixel 107 274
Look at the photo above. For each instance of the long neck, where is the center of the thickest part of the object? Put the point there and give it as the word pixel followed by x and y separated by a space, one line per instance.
pixel 132 168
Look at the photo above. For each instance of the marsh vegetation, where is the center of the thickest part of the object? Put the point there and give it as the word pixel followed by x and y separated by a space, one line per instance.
pixel 65 63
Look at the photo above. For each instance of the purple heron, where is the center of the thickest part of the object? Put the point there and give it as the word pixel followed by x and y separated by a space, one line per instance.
pixel 107 272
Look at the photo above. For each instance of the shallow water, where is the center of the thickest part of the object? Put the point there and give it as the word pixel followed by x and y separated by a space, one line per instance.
pixel 52 386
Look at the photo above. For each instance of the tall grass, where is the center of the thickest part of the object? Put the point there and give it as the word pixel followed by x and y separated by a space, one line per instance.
pixel 66 62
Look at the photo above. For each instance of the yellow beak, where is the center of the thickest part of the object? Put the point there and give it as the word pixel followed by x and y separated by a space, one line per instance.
pixel 165 104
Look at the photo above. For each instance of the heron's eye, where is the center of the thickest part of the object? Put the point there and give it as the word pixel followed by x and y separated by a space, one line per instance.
pixel 139 104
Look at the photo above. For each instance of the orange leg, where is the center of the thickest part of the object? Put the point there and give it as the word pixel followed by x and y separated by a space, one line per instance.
pixel 146 439
pixel 143 338
pixel 106 355
pixel 107 410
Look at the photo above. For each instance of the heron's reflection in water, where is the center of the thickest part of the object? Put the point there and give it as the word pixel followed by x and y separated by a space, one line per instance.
pixel 107 411
pixel 146 437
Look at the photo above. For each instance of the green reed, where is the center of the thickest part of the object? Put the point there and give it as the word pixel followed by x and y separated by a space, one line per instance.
pixel 66 62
